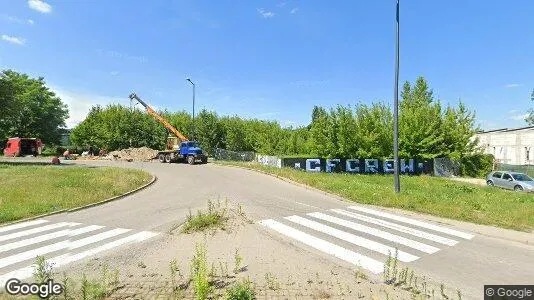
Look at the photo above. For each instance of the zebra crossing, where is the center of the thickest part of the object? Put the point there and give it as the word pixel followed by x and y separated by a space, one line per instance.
pixel 366 237
pixel 60 243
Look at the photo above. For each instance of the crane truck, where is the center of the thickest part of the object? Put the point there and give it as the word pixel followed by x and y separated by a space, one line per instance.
pixel 177 151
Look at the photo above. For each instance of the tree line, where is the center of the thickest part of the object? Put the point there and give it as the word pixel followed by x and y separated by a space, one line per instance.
pixel 427 129
pixel 28 108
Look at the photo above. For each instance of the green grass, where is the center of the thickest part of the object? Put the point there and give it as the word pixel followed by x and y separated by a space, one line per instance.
pixel 432 195
pixel 30 190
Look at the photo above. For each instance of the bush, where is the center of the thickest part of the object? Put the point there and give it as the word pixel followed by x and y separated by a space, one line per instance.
pixel 476 165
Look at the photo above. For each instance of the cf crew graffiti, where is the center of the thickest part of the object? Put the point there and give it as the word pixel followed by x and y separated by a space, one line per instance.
pixel 365 166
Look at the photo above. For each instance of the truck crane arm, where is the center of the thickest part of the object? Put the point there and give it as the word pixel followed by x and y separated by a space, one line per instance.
pixel 162 120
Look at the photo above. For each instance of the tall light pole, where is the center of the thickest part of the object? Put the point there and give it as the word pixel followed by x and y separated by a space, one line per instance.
pixel 396 108
pixel 193 134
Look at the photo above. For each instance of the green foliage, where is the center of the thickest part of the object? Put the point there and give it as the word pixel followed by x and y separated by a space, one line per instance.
pixel 476 165
pixel 426 130
pixel 200 273
pixel 117 127
pixel 28 108
pixel 243 290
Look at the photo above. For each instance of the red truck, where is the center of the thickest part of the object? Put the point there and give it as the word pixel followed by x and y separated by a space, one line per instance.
pixel 23 146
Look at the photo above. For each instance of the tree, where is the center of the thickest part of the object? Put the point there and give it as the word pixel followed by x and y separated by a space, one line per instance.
pixel 530 118
pixel 29 108
pixel 420 121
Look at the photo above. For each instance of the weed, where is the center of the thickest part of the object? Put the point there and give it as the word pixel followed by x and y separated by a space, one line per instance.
pixel 199 273
pixel 216 216
pixel 459 294
pixel 213 271
pixel 272 282
pixel 237 259
pixel 43 270
pixel 243 290
pixel 442 290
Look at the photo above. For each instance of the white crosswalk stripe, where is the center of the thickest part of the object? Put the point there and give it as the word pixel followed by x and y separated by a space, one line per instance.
pixel 60 243
pixel 368 237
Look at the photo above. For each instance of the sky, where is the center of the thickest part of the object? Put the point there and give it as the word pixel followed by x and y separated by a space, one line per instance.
pixel 274 59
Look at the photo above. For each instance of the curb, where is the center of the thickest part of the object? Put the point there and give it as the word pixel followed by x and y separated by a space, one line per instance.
pixel 480 231
pixel 152 181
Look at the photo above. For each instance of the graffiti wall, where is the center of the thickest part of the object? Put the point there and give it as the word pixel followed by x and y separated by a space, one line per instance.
pixel 363 166
pixel 272 161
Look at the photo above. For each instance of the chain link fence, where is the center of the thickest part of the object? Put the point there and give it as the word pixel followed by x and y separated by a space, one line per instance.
pixel 223 154
pixel 526 169
pixel 446 167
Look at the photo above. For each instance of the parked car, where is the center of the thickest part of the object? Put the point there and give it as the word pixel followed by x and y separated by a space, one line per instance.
pixel 511 181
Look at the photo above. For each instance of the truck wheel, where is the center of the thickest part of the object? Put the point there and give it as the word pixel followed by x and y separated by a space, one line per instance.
pixel 168 158
pixel 191 160
pixel 205 160
pixel 161 158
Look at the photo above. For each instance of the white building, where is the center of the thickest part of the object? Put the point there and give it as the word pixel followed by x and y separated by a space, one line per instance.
pixel 509 146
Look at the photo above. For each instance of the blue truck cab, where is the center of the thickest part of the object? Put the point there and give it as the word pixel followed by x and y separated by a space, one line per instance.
pixel 187 151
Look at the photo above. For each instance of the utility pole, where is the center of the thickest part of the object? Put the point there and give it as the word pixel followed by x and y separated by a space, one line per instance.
pixel 193 134
pixel 396 108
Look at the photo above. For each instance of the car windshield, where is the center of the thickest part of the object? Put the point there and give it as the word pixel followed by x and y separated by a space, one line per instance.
pixel 521 177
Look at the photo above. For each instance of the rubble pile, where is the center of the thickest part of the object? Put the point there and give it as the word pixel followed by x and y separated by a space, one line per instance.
pixel 133 154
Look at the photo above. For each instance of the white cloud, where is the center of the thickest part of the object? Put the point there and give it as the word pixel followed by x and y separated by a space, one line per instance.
pixel 119 55
pixel 40 6
pixel 512 85
pixel 294 10
pixel 281 4
pixel 265 14
pixel 80 104
pixel 114 73
pixel 17 20
pixel 13 39
pixel 513 111
pixel 519 117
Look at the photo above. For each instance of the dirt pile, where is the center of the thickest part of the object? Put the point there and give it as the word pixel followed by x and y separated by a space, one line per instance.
pixel 133 154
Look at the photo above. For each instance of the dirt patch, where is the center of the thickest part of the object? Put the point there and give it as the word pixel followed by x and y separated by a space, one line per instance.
pixel 133 154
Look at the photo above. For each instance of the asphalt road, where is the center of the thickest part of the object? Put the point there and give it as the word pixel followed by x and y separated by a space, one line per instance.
pixel 463 255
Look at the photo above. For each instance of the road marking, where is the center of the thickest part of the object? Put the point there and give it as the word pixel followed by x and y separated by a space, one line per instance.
pixel 64 259
pixel 16 258
pixel 376 232
pixel 401 228
pixel 46 237
pixel 307 205
pixel 327 247
pixel 35 230
pixel 354 239
pixel 414 222
pixel 96 238
pixel 21 225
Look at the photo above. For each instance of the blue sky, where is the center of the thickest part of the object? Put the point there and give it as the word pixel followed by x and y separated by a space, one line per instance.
pixel 274 59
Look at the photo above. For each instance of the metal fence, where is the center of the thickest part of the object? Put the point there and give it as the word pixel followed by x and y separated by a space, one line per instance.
pixel 446 167
pixel 527 169
pixel 223 154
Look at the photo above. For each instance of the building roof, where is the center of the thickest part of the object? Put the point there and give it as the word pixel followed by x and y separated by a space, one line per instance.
pixel 506 129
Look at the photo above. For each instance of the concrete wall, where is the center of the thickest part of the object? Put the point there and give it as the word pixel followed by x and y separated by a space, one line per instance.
pixel 510 146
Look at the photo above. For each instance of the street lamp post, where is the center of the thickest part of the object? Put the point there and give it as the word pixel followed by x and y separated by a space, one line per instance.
pixel 396 108
pixel 193 133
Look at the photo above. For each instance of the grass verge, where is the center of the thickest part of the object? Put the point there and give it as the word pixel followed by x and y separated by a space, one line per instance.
pixel 432 195
pixel 31 190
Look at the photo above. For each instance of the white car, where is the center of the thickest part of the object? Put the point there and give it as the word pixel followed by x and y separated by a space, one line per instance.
pixel 511 181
